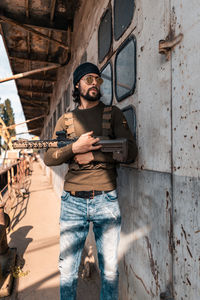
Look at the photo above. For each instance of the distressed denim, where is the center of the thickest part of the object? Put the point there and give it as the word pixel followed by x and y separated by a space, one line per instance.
pixel 76 214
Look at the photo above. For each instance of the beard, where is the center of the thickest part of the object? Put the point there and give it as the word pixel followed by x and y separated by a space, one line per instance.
pixel 90 98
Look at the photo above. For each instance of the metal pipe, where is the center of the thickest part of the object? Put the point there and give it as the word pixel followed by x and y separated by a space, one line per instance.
pixel 20 75
pixel 27 121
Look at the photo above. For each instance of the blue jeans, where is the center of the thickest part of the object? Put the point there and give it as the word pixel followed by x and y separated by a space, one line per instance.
pixel 76 214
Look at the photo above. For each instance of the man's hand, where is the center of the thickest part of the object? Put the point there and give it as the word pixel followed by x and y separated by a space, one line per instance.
pixel 85 158
pixel 85 143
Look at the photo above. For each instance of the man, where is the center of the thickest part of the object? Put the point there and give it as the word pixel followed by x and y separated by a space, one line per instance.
pixel 90 184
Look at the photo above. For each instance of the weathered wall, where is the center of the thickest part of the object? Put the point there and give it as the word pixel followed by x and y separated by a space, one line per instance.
pixel 146 264
pixel 159 193
pixel 145 195
pixel 186 150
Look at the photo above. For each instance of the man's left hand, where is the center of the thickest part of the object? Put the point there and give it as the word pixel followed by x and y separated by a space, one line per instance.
pixel 85 158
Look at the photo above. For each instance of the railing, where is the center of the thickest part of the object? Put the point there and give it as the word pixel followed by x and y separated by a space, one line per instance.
pixel 13 177
pixel 14 185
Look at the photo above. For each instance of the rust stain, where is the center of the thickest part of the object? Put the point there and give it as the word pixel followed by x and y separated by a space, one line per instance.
pixel 125 267
pixel 189 251
pixel 139 278
pixel 170 233
pixel 126 273
pixel 197 231
pixel 167 196
pixel 188 281
pixel 184 233
pixel 167 204
pixel 154 271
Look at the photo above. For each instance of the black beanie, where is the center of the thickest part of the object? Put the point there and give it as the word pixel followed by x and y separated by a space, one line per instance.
pixel 84 69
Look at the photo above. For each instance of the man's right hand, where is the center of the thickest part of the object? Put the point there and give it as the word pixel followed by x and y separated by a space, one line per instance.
pixel 85 143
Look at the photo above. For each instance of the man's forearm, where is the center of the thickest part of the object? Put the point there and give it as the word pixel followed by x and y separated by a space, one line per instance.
pixel 58 156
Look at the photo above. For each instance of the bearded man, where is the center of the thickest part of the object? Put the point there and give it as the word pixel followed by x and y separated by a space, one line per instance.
pixel 90 184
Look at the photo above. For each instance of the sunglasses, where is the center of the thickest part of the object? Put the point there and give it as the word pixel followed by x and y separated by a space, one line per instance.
pixel 90 79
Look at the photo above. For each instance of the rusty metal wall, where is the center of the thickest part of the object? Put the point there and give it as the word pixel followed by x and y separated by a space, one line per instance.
pixel 146 193
pixel 153 101
pixel 160 192
pixel 146 240
pixel 186 146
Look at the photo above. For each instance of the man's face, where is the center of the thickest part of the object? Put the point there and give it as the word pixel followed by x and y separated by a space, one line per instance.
pixel 89 87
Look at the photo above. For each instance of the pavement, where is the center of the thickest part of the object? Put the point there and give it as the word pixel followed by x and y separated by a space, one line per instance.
pixel 34 231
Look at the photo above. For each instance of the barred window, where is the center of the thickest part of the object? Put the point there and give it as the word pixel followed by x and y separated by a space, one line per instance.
pixel 107 86
pixel 125 69
pixel 123 15
pixel 105 35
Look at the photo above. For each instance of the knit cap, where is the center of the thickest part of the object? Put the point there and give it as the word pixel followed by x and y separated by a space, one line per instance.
pixel 84 69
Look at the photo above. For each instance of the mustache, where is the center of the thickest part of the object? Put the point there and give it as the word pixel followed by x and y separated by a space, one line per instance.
pixel 92 88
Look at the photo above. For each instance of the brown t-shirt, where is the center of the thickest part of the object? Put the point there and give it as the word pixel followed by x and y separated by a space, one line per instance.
pixel 100 174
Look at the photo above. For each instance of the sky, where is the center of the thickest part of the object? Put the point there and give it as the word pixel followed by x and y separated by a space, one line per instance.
pixel 8 90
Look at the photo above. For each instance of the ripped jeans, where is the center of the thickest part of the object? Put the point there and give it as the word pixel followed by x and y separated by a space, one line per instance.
pixel 76 214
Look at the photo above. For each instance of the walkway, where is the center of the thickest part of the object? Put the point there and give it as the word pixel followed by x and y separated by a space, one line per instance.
pixel 35 234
